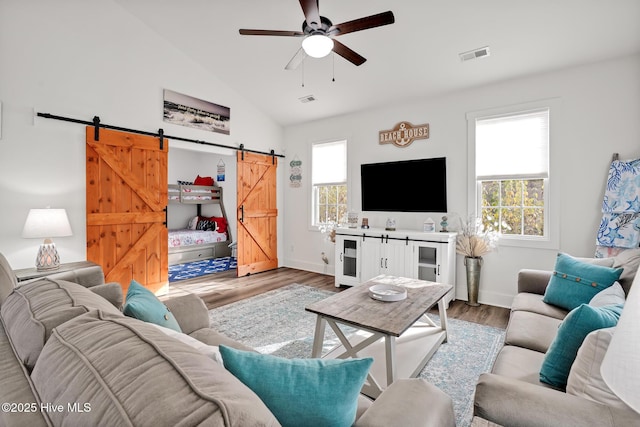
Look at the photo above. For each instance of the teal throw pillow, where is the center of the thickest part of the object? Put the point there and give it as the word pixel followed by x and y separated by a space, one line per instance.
pixel 142 304
pixel 575 282
pixel 302 392
pixel 571 333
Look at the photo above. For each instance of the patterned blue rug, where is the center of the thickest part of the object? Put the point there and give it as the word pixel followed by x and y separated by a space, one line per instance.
pixel 189 270
pixel 276 323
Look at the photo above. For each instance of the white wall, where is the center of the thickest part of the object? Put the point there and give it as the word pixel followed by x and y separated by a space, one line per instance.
pixel 597 115
pixel 86 58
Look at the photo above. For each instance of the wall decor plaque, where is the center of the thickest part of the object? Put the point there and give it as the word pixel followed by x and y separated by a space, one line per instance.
pixel 403 134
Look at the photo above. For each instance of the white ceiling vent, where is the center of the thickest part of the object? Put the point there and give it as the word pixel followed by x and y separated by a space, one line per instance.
pixel 476 53
pixel 307 98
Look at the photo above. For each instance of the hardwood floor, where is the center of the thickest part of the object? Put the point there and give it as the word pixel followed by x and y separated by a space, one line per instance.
pixel 224 288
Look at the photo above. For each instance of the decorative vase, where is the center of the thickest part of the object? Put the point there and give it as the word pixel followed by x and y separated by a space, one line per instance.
pixel 473 266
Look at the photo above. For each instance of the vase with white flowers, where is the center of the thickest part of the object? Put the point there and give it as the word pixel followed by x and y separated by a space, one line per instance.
pixel 474 241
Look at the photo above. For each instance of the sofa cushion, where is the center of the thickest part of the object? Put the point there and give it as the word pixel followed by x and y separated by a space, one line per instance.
pixel 142 304
pixel 585 379
pixel 7 279
pixel 612 295
pixel 519 363
pixel 302 392
pixel 211 351
pixel 629 260
pixel 33 309
pixel 526 301
pixel 575 282
pixel 531 330
pixel 16 388
pixel 132 374
pixel 575 327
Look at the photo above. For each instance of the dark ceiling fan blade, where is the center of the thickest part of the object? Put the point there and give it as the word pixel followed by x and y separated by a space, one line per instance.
pixel 384 18
pixel 311 13
pixel 347 53
pixel 297 59
pixel 245 32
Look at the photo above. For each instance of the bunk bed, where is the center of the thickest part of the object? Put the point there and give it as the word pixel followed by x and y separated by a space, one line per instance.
pixel 201 239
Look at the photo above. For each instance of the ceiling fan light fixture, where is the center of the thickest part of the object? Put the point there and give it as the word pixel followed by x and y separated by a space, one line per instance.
pixel 317 45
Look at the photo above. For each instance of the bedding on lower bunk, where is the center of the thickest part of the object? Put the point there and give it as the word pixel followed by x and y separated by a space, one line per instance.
pixel 180 238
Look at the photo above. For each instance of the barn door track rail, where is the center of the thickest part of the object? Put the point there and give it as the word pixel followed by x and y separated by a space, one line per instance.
pixel 159 134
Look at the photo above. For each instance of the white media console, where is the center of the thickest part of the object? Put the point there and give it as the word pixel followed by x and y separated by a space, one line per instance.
pixel 362 254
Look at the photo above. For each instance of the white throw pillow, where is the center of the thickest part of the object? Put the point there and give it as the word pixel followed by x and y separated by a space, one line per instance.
pixel 613 295
pixel 212 351
pixel 193 223
pixel 585 379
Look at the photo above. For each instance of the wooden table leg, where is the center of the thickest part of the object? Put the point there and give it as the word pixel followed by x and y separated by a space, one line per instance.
pixel 318 337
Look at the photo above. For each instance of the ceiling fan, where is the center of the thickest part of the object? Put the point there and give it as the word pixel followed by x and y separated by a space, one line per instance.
pixel 319 34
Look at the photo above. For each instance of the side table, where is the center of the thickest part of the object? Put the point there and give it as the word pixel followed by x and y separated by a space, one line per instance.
pixel 32 273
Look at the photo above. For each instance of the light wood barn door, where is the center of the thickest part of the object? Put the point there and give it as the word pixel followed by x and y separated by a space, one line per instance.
pixel 257 213
pixel 126 201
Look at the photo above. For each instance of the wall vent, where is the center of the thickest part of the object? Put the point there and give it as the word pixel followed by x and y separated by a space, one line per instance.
pixel 474 54
pixel 307 98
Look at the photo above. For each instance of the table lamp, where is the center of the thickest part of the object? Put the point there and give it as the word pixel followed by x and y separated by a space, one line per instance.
pixel 620 367
pixel 47 223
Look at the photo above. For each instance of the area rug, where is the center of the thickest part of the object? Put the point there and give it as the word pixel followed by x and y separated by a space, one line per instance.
pixel 276 323
pixel 189 270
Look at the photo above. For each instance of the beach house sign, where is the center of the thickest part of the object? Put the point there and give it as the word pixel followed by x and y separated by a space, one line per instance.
pixel 403 134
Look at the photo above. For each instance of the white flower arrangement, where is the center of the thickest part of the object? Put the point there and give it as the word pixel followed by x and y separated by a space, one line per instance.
pixel 474 240
pixel 329 230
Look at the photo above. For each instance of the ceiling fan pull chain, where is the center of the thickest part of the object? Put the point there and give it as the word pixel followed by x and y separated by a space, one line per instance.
pixel 303 73
pixel 333 67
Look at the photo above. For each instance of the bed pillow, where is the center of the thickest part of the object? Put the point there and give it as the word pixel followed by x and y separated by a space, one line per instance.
pixel 203 180
pixel 142 304
pixel 575 282
pixel 221 224
pixel 301 392
pixel 206 224
pixel 571 333
pixel 193 222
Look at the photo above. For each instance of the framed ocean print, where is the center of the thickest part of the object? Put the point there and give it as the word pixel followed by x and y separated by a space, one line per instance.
pixel 192 112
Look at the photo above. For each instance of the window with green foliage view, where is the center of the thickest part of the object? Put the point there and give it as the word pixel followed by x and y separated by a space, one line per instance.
pixel 329 182
pixel 331 203
pixel 512 172
pixel 513 207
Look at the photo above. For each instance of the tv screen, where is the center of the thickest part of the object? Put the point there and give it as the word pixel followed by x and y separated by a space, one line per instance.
pixel 405 186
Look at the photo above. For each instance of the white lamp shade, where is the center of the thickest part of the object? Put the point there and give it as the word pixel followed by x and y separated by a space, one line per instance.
pixel 45 223
pixel 620 367
pixel 317 45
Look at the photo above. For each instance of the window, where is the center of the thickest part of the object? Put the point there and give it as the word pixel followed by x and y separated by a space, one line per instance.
pixel 329 182
pixel 512 173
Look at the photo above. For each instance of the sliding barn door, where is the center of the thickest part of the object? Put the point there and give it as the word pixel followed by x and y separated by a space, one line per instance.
pixel 126 201
pixel 257 213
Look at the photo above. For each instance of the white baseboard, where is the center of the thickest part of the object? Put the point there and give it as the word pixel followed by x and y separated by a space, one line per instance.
pixel 487 297
pixel 309 266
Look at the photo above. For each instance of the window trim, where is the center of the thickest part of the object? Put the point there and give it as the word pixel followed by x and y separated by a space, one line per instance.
pixel 551 196
pixel 311 201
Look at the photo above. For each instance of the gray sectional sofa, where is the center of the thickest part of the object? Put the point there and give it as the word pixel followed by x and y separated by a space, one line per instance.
pixel 68 356
pixel 513 395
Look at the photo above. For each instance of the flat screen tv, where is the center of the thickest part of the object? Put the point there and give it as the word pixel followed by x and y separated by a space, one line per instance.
pixel 405 186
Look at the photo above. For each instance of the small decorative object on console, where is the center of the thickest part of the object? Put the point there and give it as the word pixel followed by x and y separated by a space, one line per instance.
pixel 429 226
pixel 352 219
pixel 387 293
pixel 444 224
pixel 365 223
pixel 391 224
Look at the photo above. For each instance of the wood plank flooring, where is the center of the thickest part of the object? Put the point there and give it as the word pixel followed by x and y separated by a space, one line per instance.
pixel 224 288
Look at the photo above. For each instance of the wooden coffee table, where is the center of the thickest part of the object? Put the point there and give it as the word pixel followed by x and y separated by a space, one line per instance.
pixel 398 335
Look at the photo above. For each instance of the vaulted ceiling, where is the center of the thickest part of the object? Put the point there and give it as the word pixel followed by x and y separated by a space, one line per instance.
pixel 415 57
